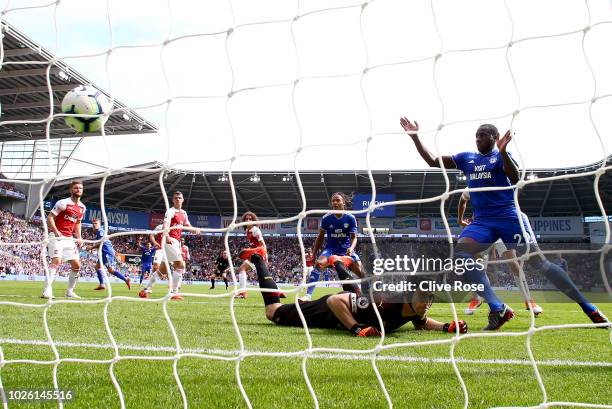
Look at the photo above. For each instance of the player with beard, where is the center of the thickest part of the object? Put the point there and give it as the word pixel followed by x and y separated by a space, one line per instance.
pixel 64 223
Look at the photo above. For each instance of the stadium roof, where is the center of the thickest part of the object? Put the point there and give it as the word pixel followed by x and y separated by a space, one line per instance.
pixel 276 193
pixel 24 93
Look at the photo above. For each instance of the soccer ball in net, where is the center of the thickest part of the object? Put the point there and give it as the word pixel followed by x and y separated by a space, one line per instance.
pixel 85 100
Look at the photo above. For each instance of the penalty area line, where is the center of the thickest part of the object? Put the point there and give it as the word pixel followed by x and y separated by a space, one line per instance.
pixel 328 355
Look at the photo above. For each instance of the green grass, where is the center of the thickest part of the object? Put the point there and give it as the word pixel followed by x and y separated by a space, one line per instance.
pixel 204 324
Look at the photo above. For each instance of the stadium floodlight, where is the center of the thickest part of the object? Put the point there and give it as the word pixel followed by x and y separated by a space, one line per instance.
pixel 390 177
pixel 532 176
pixel 255 178
pixel 223 178
pixel 287 178
pixel 322 178
pixel 125 117
pixel 63 76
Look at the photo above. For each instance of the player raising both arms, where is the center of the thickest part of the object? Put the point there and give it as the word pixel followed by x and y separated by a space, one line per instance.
pixel 147 253
pixel 499 248
pixel 108 257
pixel 343 310
pixel 495 216
pixel 339 230
pixel 64 222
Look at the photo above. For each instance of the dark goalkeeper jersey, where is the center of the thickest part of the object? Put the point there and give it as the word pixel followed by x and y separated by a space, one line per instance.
pixel 222 264
pixel 318 315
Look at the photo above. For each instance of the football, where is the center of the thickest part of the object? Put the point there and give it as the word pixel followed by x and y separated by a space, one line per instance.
pixel 85 100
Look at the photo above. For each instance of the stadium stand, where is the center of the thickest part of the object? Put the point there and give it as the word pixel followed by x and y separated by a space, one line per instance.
pixel 285 260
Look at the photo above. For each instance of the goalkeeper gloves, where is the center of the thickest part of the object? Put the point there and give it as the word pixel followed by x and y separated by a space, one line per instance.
pixel 452 327
pixel 361 331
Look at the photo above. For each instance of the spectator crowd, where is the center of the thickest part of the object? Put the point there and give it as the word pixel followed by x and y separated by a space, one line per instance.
pixel 21 253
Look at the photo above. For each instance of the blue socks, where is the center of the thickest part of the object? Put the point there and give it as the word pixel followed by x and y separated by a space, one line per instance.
pixel 564 283
pixel 100 276
pixel 477 275
pixel 116 274
pixel 314 277
pixel 120 276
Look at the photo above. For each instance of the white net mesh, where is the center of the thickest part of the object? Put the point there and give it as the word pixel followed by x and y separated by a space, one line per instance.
pixel 348 20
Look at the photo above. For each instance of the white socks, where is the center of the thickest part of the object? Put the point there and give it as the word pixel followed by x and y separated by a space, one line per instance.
pixel 50 278
pixel 242 278
pixel 72 280
pixel 152 279
pixel 177 277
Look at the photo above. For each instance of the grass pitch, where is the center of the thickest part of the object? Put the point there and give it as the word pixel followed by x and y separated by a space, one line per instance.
pixel 575 363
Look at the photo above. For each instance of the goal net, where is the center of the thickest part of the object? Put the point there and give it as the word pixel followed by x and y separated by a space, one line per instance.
pixel 303 87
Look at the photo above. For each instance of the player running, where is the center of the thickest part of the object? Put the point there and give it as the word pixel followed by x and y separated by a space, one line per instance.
pixel 222 264
pixel 175 218
pixel 347 310
pixel 159 265
pixel 257 245
pixel 108 258
pixel 310 263
pixel 147 253
pixel 495 216
pixel 339 230
pixel 64 222
pixel 499 248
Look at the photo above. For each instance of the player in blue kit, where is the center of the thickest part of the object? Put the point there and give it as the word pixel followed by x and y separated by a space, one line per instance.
pixel 340 233
pixel 108 258
pixel 495 216
pixel 146 259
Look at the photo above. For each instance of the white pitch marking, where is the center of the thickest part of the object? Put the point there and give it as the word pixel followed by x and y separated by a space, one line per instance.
pixel 357 356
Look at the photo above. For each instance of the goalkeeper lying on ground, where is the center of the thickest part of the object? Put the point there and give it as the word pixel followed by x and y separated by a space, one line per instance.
pixel 347 310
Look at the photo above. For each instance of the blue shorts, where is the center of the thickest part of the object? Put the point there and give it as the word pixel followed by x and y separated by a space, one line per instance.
pixel 487 230
pixel 108 259
pixel 338 252
pixel 146 267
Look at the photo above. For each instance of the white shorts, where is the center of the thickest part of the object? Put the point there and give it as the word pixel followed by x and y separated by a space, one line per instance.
pixel 158 258
pixel 173 251
pixel 64 248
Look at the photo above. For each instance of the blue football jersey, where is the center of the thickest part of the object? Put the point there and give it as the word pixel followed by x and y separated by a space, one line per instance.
pixel 107 246
pixel 147 255
pixel 487 171
pixel 338 230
